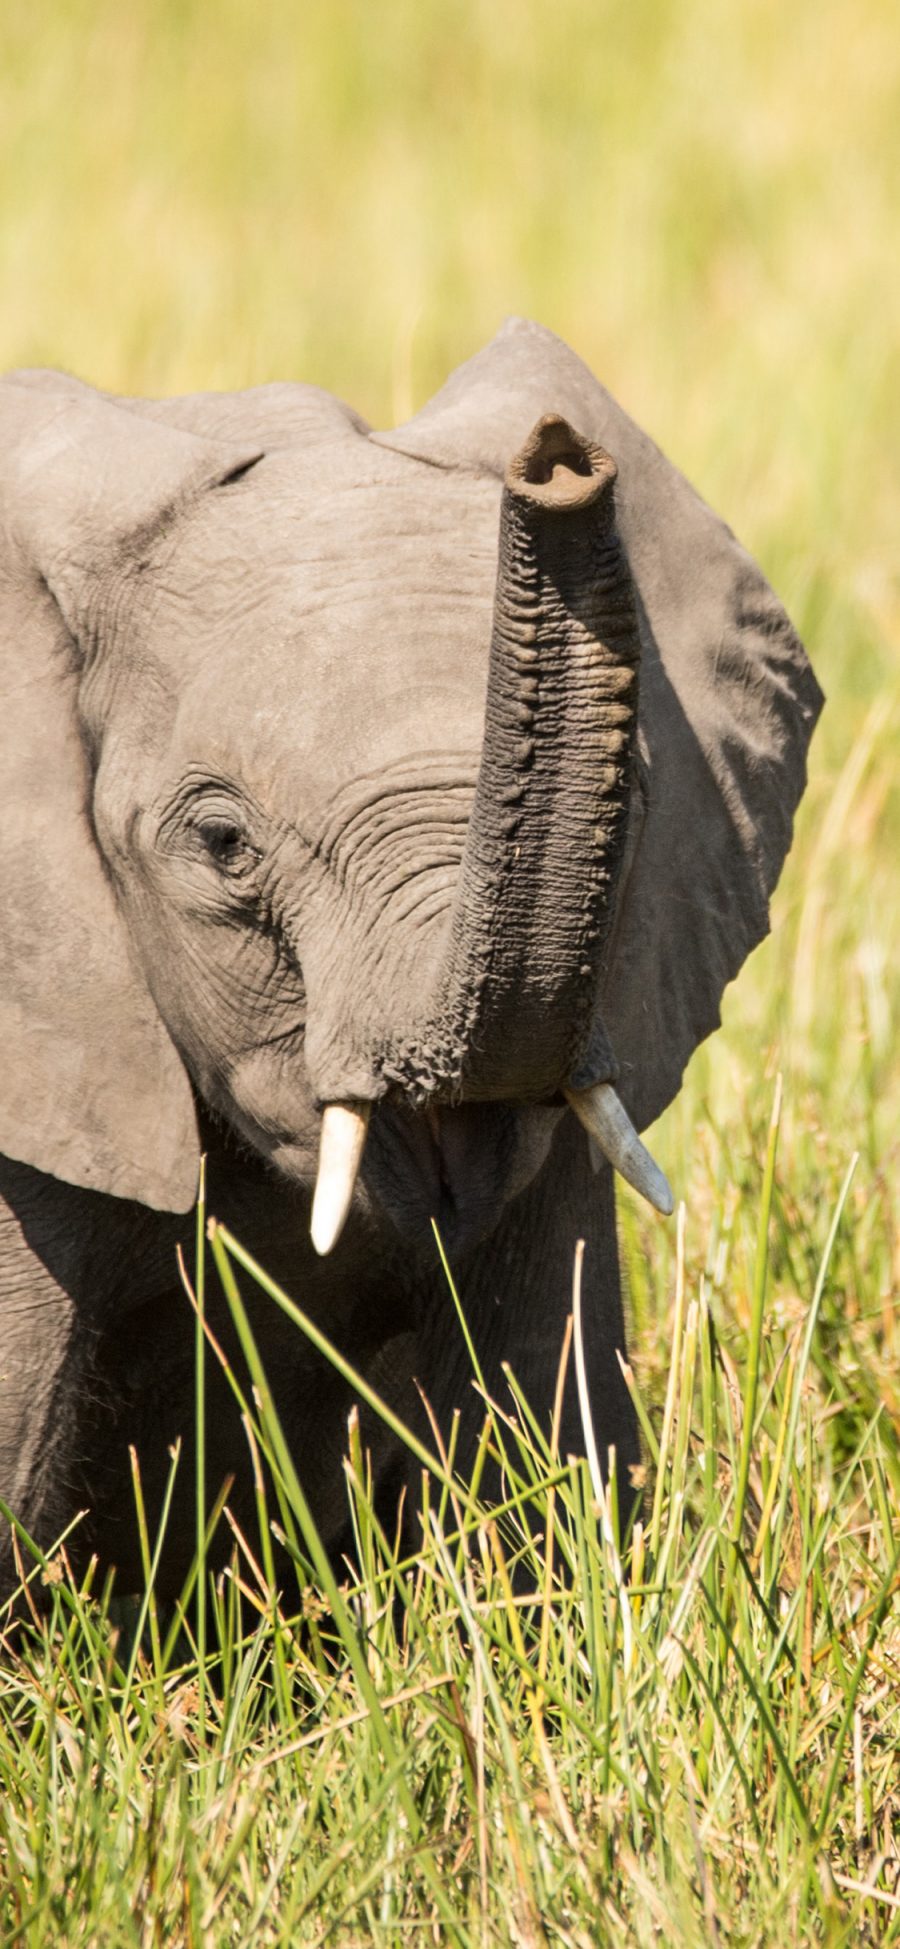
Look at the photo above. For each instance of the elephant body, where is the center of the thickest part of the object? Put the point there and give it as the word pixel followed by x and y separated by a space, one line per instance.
pixel 391 791
pixel 99 1351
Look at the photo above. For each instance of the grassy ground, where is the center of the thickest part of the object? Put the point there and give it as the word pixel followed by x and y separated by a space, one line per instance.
pixel 699 1743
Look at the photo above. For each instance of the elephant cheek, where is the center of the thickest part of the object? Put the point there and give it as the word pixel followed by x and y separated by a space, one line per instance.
pixel 271 1101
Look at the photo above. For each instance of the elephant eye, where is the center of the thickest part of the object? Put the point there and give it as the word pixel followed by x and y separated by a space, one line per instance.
pixel 226 843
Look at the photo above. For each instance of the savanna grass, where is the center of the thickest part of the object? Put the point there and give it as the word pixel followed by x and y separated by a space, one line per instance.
pixel 538 1730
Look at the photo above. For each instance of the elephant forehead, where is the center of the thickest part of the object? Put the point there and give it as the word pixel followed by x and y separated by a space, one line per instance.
pixel 315 642
pixel 337 524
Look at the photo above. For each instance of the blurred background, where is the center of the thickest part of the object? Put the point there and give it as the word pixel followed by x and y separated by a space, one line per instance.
pixel 702 200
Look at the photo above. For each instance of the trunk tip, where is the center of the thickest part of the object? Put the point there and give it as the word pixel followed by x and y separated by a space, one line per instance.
pixel 558 468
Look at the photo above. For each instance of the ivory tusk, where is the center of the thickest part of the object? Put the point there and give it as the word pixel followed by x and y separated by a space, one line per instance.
pixel 606 1120
pixel 341 1146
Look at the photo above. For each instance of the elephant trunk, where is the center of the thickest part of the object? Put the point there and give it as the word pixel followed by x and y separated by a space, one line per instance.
pixel 514 1011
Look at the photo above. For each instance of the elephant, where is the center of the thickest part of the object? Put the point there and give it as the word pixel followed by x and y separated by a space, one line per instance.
pixel 384 816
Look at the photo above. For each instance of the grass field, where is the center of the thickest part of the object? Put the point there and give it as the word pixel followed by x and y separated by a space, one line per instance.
pixel 697 1743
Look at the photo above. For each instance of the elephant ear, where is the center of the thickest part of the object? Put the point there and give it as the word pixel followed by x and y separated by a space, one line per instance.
pixel 93 1090
pixel 728 703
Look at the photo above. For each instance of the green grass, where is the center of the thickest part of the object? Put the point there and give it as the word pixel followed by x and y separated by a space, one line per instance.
pixel 693 1737
pixel 535 1730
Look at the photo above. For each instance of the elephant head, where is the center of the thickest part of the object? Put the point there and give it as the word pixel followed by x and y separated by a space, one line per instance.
pixel 317 797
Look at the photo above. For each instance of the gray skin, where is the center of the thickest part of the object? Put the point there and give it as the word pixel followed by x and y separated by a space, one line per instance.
pixel 315 792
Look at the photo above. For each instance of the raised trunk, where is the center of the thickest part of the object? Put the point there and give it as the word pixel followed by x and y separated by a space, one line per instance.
pixel 514 1012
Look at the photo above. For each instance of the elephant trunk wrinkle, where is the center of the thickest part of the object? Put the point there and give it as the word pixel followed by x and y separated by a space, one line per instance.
pixel 513 1012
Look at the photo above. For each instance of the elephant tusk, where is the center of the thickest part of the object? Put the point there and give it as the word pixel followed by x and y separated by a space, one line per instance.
pixel 606 1120
pixel 341 1145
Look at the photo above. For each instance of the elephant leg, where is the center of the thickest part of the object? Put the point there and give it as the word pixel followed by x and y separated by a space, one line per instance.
pixel 41 1375
pixel 63 1251
pixel 516 1291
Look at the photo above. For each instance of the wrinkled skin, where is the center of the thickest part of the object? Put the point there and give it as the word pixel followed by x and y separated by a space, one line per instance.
pixel 290 821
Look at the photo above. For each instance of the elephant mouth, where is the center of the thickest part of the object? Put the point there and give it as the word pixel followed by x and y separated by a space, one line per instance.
pixel 450 1167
